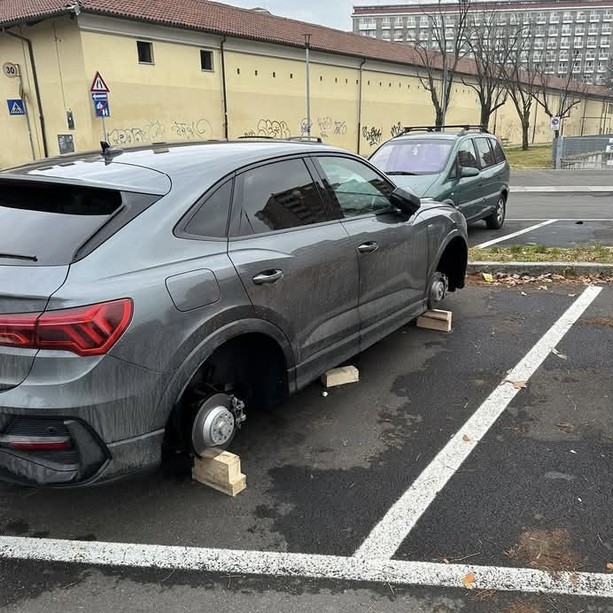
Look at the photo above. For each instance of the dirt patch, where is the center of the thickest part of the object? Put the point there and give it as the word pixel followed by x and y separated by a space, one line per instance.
pixel 604 322
pixel 548 550
pixel 522 606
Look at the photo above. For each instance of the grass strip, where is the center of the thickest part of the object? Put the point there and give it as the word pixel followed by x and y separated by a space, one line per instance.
pixel 597 254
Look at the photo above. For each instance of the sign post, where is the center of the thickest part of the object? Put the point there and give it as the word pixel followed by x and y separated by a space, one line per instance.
pixel 100 96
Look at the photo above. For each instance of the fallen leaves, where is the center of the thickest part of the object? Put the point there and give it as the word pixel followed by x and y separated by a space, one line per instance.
pixel 466 438
pixel 562 356
pixel 542 282
pixel 469 581
pixel 518 385
pixel 566 427
pixel 610 566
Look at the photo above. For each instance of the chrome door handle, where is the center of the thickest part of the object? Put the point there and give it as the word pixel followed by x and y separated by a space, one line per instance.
pixel 368 247
pixel 268 277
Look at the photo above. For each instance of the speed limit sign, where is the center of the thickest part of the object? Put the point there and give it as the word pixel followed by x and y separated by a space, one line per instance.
pixel 10 70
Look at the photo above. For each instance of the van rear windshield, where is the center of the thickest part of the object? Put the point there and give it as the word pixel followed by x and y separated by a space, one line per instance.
pixel 50 224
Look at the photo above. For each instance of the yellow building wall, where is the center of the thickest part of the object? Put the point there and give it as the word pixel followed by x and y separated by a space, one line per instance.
pixel 173 99
pixel 59 62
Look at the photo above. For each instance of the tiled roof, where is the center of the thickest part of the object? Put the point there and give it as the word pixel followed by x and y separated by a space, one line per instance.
pixel 217 18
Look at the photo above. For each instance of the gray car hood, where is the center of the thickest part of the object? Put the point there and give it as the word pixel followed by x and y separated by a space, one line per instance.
pixel 420 184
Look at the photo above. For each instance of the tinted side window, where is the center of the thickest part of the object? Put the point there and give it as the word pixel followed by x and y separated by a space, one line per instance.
pixel 486 155
pixel 355 186
pixel 278 196
pixel 498 152
pixel 211 219
pixel 466 155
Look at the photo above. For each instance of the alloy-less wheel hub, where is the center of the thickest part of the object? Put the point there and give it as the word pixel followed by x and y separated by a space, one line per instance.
pixel 214 424
pixel 438 289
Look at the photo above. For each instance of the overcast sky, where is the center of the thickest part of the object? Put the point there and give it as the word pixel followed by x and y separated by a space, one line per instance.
pixel 332 13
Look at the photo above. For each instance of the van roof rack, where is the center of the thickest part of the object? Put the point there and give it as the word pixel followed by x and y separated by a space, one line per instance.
pixel 465 127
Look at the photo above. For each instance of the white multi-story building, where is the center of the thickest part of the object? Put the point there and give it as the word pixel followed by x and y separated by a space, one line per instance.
pixel 568 35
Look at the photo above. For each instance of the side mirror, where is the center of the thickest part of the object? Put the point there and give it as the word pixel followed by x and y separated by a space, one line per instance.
pixel 406 200
pixel 469 171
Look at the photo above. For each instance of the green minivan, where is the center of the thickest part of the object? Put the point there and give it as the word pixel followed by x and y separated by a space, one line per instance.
pixel 463 165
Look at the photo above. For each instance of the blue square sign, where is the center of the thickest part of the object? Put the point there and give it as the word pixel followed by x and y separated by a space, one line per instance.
pixel 16 106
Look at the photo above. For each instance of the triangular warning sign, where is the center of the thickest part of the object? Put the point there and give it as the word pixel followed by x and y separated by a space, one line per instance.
pixel 98 84
pixel 16 109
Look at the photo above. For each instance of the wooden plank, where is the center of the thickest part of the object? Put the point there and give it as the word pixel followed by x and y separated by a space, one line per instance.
pixel 229 488
pixel 340 376
pixel 436 319
pixel 220 470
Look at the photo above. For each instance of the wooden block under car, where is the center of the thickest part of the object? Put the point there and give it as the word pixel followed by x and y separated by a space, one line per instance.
pixel 220 470
pixel 435 319
pixel 341 376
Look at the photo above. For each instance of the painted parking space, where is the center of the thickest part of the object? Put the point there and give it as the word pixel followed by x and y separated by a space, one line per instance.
pixel 321 471
pixel 323 476
pixel 548 233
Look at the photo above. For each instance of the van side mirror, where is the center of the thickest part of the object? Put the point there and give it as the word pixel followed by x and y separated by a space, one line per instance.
pixel 469 171
pixel 406 200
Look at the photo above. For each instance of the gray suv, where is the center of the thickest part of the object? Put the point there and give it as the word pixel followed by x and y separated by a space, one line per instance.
pixel 156 296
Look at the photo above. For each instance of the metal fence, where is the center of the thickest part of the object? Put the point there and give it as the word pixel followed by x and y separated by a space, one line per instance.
pixel 582 152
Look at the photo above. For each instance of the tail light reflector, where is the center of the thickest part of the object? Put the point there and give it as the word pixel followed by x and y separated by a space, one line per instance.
pixel 86 331
pixel 37 443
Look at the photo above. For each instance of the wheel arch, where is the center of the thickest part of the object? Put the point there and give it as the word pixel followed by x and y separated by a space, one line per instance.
pixel 452 260
pixel 252 329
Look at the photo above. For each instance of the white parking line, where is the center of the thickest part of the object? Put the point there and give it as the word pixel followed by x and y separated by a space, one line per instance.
pixel 393 529
pixel 520 232
pixel 229 562
pixel 566 219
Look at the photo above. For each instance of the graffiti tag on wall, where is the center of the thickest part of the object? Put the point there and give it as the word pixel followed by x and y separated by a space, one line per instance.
pixel 396 129
pixel 270 128
pixel 372 135
pixel 156 131
pixel 327 127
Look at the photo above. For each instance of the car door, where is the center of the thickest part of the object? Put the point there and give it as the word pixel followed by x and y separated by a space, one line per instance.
pixel 487 165
pixel 468 192
pixel 296 263
pixel 392 250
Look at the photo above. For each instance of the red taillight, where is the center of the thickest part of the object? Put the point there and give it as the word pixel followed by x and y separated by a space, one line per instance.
pixel 39 444
pixel 89 330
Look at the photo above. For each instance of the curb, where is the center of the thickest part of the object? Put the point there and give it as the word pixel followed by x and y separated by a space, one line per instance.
pixel 575 269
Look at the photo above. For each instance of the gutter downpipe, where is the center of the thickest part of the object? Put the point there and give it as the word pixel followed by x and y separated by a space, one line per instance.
pixel 360 103
pixel 39 104
pixel 224 90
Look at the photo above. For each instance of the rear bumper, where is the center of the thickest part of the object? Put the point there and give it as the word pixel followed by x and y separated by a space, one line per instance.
pixel 107 409
pixel 89 462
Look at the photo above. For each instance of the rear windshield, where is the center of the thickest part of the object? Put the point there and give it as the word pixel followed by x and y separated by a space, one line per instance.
pixel 50 224
pixel 413 156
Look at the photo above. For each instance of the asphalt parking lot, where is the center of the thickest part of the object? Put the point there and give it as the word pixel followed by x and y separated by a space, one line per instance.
pixel 403 465
pixel 552 220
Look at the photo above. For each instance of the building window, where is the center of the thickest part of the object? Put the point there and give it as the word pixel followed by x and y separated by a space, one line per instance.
pixel 145 52
pixel 206 60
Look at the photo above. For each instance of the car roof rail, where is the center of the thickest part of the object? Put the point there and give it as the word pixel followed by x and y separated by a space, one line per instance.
pixel 306 139
pixel 465 127
pixel 256 136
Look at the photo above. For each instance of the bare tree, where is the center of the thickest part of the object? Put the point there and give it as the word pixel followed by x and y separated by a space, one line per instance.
pixel 483 40
pixel 519 75
pixel 568 92
pixel 443 52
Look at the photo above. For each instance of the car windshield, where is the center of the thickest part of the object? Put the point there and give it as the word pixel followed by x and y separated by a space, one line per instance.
pixel 413 156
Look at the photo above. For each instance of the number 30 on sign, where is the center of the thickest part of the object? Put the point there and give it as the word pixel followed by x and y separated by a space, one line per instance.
pixel 10 70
